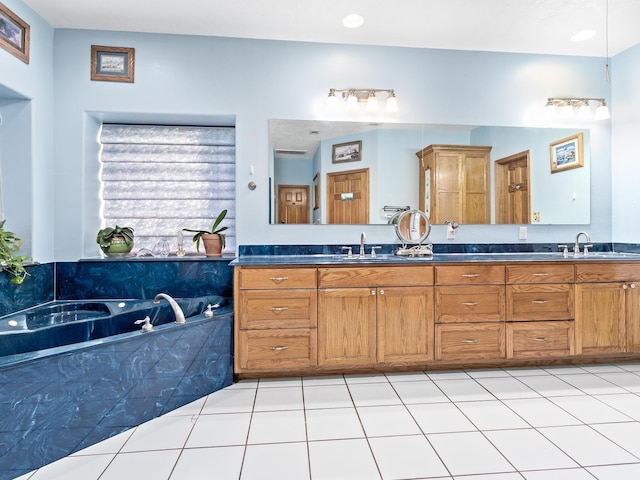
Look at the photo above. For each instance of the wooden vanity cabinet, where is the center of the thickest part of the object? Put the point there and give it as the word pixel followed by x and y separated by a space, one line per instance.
pixel 276 318
pixel 540 311
pixel 375 315
pixel 454 183
pixel 607 308
pixel 469 312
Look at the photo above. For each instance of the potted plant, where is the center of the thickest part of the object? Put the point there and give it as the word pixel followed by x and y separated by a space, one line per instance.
pixel 10 262
pixel 214 241
pixel 115 241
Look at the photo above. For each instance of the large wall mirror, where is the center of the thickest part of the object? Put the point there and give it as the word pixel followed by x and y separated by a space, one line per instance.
pixel 362 173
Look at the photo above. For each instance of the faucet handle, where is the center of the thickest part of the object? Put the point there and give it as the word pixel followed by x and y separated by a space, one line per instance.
pixel 373 251
pixel 586 249
pixel 349 251
pixel 565 250
pixel 147 327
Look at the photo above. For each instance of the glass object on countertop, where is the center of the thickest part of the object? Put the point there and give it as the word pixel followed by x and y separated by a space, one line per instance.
pixel 161 248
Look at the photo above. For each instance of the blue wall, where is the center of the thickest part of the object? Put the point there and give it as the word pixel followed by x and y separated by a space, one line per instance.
pixel 224 80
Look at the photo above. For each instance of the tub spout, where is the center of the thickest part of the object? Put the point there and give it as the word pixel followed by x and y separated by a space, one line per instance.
pixel 174 306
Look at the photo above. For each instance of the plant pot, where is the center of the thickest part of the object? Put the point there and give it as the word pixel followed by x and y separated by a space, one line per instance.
pixel 212 244
pixel 117 248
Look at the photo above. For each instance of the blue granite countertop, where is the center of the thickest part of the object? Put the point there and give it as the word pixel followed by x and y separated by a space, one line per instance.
pixel 342 259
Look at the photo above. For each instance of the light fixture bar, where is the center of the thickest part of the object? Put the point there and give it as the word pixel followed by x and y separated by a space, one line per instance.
pixel 577 107
pixel 353 96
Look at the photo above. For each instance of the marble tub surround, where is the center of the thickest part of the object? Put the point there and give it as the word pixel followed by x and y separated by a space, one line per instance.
pixel 58 405
pixel 37 288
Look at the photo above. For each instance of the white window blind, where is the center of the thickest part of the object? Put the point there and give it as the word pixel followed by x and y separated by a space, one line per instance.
pixel 160 179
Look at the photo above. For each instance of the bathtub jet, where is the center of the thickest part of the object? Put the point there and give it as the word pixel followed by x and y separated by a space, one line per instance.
pixel 180 320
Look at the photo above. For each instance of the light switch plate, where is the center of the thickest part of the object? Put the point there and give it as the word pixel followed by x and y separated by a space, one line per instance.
pixel 522 235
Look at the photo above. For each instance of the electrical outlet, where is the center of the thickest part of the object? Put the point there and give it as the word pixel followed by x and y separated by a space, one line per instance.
pixel 522 235
pixel 451 233
pixel 536 217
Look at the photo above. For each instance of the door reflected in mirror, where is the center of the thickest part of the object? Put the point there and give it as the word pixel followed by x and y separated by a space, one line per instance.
pixel 519 187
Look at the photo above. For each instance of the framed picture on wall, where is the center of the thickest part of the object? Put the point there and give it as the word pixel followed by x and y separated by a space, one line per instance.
pixel 14 34
pixel 347 152
pixel 567 153
pixel 112 64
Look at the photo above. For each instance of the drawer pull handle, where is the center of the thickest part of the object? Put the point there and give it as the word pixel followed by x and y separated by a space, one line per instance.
pixel 279 348
pixel 470 340
pixel 540 339
pixel 540 301
pixel 279 309
pixel 470 304
pixel 540 274
pixel 278 279
pixel 470 275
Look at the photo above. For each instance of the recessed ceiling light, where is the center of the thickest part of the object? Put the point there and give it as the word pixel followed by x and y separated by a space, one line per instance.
pixel 353 20
pixel 583 35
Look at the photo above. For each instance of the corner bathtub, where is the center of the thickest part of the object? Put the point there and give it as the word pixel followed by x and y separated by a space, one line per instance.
pixel 75 373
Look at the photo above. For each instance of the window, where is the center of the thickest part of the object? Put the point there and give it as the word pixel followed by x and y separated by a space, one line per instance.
pixel 161 179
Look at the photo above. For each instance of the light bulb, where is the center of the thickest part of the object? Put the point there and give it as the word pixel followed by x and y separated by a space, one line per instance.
pixel 584 111
pixel 392 103
pixel 332 101
pixel 372 102
pixel 352 100
pixel 602 112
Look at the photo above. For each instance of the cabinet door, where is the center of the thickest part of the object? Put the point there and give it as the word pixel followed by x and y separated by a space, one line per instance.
pixel 475 193
pixel 600 318
pixel 540 339
pixel 540 302
pixel 405 324
pixel 347 326
pixel 479 303
pixel 633 316
pixel 276 349
pixel 470 341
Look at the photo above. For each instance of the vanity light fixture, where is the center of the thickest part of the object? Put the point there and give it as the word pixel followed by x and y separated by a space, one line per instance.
pixel 354 96
pixel 579 108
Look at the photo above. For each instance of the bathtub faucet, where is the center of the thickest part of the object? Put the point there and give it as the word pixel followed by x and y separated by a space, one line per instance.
pixel 174 305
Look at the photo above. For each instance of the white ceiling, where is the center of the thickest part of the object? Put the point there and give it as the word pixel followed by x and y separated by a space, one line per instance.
pixel 526 26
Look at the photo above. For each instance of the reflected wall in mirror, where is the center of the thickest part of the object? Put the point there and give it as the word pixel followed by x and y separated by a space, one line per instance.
pixel 386 177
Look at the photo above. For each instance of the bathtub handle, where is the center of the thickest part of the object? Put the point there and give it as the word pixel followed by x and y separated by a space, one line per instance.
pixel 147 327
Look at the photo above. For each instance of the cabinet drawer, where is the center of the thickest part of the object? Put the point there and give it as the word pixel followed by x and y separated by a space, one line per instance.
pixel 540 339
pixel 269 349
pixel 469 274
pixel 483 303
pixel 540 302
pixel 276 278
pixel 542 273
pixel 261 309
pixel 471 341
pixel 607 272
pixel 375 276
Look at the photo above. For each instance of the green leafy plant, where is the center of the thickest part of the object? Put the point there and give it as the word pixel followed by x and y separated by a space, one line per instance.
pixel 9 260
pixel 215 229
pixel 106 235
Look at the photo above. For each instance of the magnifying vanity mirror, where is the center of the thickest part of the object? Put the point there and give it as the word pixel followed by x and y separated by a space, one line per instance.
pixel 413 228
pixel 364 173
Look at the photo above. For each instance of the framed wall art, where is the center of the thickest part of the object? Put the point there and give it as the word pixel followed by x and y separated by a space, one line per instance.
pixel 347 152
pixel 567 153
pixel 14 34
pixel 112 64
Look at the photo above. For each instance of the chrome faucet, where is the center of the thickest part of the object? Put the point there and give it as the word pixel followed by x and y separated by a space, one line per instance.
pixel 363 239
pixel 576 247
pixel 177 311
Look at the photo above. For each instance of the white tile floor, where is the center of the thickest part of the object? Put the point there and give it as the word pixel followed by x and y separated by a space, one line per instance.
pixel 568 423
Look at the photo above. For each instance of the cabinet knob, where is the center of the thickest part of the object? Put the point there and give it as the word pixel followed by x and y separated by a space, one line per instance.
pixel 381 292
pixel 624 287
pixel 470 304
pixel 470 275
pixel 279 309
pixel 540 339
pixel 540 274
pixel 633 285
pixel 470 340
pixel 373 292
pixel 540 301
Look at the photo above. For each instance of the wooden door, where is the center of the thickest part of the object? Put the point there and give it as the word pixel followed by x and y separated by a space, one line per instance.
pixel 513 192
pixel 447 194
pixel 405 324
pixel 600 318
pixel 348 197
pixel 347 326
pixel 476 186
pixel 293 204
pixel 633 316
